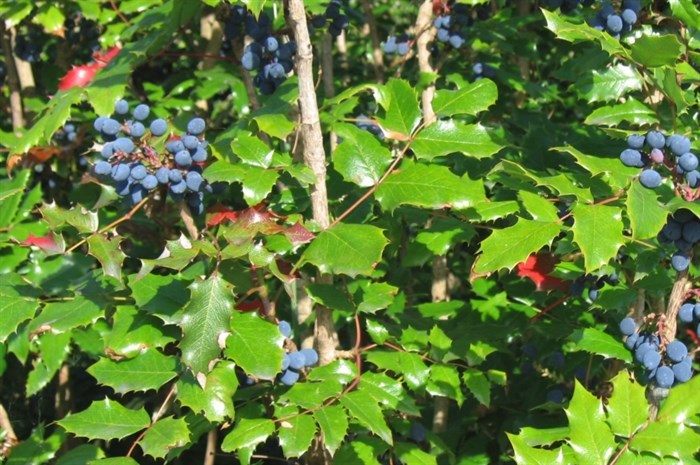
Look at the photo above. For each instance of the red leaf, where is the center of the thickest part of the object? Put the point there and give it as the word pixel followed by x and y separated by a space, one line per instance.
pixel 47 243
pixel 219 214
pixel 537 268
pixel 101 59
pixel 79 76
pixel 298 234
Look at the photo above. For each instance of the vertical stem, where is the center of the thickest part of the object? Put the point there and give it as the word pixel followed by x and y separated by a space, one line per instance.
pixel 12 79
pixel 377 53
pixel 210 452
pixel 315 158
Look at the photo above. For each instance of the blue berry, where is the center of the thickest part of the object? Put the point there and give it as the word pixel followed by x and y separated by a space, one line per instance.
pixel 123 144
pixel 183 158
pixel 635 141
pixel 676 351
pixel 289 377
pixel 310 357
pixel 137 129
pixel 162 175
pixel 650 178
pixel 196 126
pixel 138 172
pixel 682 372
pixel 664 377
pixel 150 182
pixel 655 140
pixel 628 326
pixel 110 127
pixel 296 360
pixel 141 112
pixel 685 314
pixel 120 172
pixel 680 261
pixel 102 168
pixel 285 328
pixel 121 107
pixel 158 127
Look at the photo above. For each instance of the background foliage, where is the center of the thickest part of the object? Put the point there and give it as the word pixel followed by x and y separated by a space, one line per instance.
pixel 447 273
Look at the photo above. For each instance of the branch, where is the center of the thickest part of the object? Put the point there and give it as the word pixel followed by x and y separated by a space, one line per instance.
pixel 12 79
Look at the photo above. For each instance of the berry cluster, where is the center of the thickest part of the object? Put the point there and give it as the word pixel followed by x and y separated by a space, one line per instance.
pixel 338 21
pixel 664 364
pixel 136 167
pixel 272 60
pixel 682 230
pixel 28 48
pixel 690 313
pixel 67 133
pixel 295 361
pixel 593 283
pixel 653 149
pixel 80 31
pixel 398 44
pixel 482 70
pixel 450 28
pixel 567 6
pixel 616 24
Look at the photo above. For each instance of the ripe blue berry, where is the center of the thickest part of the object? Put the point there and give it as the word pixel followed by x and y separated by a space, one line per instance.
pixel 650 178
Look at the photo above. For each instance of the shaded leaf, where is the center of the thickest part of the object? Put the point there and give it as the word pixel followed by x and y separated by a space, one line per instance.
pixel 647 216
pixel 64 316
pixel 105 419
pixel 610 84
pixel 447 136
pixel 360 158
pixel 215 399
pixel 149 370
pixel 401 111
pixel 632 111
pixel 295 434
pixel 108 253
pixel 165 435
pixel 598 342
pixel 657 50
pixel 468 100
pixel 365 410
pixel 333 421
pixel 248 433
pixel 255 344
pixel 479 385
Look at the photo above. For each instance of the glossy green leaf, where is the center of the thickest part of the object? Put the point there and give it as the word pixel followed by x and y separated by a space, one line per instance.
pixel 165 435
pixel 14 308
pixel 252 151
pixel 148 292
pixel 53 349
pixel 114 461
pixel 682 404
pixel 400 103
pixel 255 345
pixel 543 437
pixel 598 232
pixel 412 454
pixel 134 330
pixel 81 455
pixel 105 419
pixel 598 342
pixel 176 255
pixel 538 207
pixel 448 136
pixel 328 295
pixel 627 408
pixel 610 84
pixel 58 218
pixel 333 422
pixel 215 399
pixel 657 50
pixel 647 216
pixel 248 433
pixel 469 100
pixel 527 455
pixel 686 11
pixel 149 370
pixel 407 364
pixel 428 186
pixel 350 249
pixel 479 385
pixel 64 316
pixel 590 436
pixel 295 434
pixel 667 438
pixel 566 29
pixel 11 193
pixel 389 392
pixel 505 248
pixel 360 158
pixel 366 411
pixel 206 318
pixel 311 394
pixel 631 111
pixel 108 252
pixel 362 450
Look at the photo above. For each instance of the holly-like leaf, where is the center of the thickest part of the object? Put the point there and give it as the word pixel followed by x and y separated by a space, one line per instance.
pixel 114 461
pixel 611 83
pixel 598 232
pixel 667 438
pixel 526 455
pixel 360 158
pixel 108 253
pixel 81 455
pixel 206 317
pixel 538 207
pixel 165 435
pixel 469 100
pixel 565 29
pixel 349 249
pixel 333 421
pixel 389 392
pixel 627 408
pixel 447 136
pixel 252 151
pixel 312 394
pixel 64 316
pixel 248 433
pixel 151 296
pixel 589 436
pixel 215 399
pixel 686 11
pixel 505 248
pixel 105 419
pixel 598 342
pixel 149 370
pixel 134 330
pixel 479 385
pixel 428 186
pixel 401 111
pixel 647 216
pixel 295 434
pixel 653 51
pixel 14 308
pixel 58 218
pixel 255 345
pixel 443 380
pixel 632 111
pixel 407 364
pixel 54 348
pixel 682 404
pixel 365 410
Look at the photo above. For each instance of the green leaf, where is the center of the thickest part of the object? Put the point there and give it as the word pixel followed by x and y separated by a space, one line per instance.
pixel 365 410
pixel 134 330
pixel 448 136
pixel 598 232
pixel 526 455
pixel 255 345
pixel 312 394
pixel 538 207
pixel 610 84
pixel 479 385
pixel 328 296
pixel 149 294
pixel 215 400
pixel 686 11
pixel 106 419
pixel 64 316
pixel 350 249
pixel 598 342
pixel 14 308
pixel 647 216
pixel 412 454
pixel 428 186
pixel 296 434
pixel 11 194
pixel 108 253
pixel 360 158
pixel 257 182
pixel 469 100
pixel 57 218
pixel 50 17
pixel 443 380
pixel 54 348
pixel 627 408
pixel 682 403
pixel 614 174
pixel 252 151
pixel 81 455
pixel 667 438
pixel 632 111
pixel 149 370
pixel 401 111
pixel 165 435
pixel 333 421
pixel 543 437
pixel 567 30
pixel 114 461
pixel 407 364
pixel 505 248
pixel 653 51
pixel 248 433
pixel 362 450
pixel 389 392
pixel 206 317
pixel 590 436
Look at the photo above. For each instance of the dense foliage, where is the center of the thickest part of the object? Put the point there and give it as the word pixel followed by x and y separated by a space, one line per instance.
pixel 349 232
